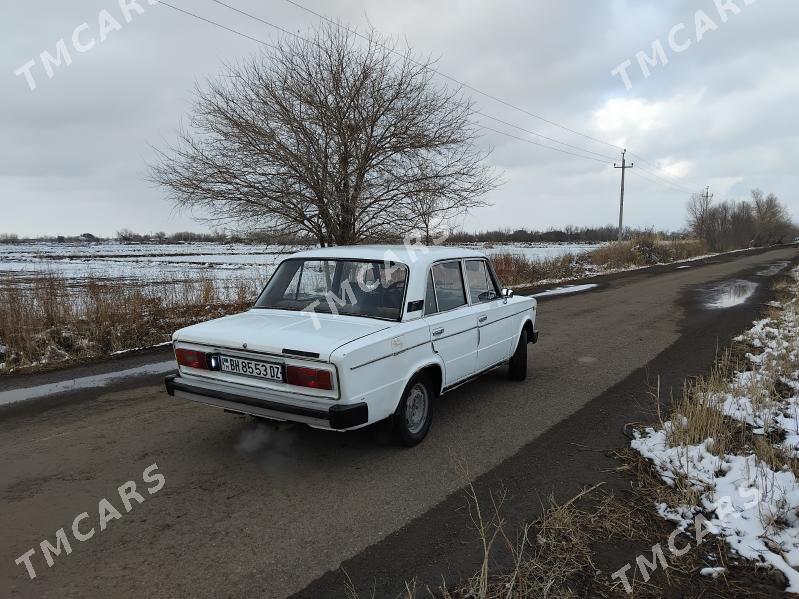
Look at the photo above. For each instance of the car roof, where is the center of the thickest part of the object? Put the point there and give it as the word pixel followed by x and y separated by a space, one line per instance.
pixel 405 254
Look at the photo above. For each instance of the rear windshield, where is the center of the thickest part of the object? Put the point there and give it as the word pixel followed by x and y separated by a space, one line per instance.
pixel 353 287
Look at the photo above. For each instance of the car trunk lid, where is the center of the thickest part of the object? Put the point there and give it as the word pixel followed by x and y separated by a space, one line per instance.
pixel 281 332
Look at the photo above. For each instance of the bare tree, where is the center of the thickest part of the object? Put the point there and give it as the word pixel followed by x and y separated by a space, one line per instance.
pixel 330 138
pixel 728 225
pixel 772 218
pixel 436 214
pixel 699 215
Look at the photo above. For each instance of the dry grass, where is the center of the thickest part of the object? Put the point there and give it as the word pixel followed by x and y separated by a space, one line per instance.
pixel 51 320
pixel 573 548
pixel 553 556
pixel 696 417
pixel 516 270
pixel 645 249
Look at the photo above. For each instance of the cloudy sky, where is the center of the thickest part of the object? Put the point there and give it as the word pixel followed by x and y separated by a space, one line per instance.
pixel 721 112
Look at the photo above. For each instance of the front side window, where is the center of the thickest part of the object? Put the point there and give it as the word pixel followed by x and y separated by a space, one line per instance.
pixel 481 287
pixel 352 287
pixel 448 283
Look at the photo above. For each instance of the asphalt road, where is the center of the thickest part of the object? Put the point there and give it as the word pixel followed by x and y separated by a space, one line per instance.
pixel 249 511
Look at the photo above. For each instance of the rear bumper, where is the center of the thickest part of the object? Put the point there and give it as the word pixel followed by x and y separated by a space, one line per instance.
pixel 337 417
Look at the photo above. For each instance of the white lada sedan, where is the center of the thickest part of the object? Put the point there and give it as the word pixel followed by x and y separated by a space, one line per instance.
pixel 344 337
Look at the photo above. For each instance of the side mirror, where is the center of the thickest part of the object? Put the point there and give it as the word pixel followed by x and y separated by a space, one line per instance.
pixel 507 293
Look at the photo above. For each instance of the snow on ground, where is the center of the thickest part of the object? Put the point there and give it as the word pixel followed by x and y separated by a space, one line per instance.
pixel 566 290
pixel 86 382
pixel 754 507
pixel 773 269
pixel 151 261
pixel 154 262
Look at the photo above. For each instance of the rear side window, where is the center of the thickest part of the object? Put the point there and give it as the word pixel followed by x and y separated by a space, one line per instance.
pixel 481 287
pixel 448 283
pixel 430 304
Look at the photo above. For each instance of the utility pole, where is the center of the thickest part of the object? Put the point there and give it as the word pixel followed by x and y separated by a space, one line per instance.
pixel 707 195
pixel 624 166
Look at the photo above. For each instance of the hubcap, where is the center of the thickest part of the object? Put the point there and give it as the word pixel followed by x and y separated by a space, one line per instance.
pixel 416 408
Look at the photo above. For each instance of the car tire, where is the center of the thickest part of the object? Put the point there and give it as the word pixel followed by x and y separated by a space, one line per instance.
pixel 414 413
pixel 518 361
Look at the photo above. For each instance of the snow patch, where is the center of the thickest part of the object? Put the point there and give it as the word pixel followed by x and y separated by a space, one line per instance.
pixel 746 502
pixel 714 572
pixel 566 290
pixel 86 382
pixel 773 269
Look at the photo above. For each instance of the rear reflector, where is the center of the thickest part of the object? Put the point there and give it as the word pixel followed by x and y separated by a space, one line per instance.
pixel 309 377
pixel 191 358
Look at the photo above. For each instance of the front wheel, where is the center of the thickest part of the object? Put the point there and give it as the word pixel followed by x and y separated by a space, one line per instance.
pixel 518 361
pixel 415 412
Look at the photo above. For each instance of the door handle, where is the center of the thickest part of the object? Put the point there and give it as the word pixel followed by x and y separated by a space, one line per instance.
pixel 482 319
pixel 438 332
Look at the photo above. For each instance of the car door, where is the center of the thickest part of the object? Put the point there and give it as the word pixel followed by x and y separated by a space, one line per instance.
pixel 453 325
pixel 495 325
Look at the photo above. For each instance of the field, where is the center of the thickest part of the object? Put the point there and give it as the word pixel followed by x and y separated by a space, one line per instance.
pixel 69 302
pixel 168 262
pixel 62 303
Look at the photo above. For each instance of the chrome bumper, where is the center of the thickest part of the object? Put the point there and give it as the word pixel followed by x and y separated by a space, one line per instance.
pixel 337 417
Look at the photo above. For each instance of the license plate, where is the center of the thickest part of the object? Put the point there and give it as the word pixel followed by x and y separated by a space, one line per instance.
pixel 263 370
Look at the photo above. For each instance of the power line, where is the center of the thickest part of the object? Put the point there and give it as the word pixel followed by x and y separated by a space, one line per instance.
pixel 411 59
pixel 679 186
pixel 395 52
pixel 260 41
pixel 530 141
pixel 451 78
pixel 640 173
pixel 654 165
pixel 606 159
pixel 259 19
pixel 487 95
pixel 557 141
pixel 220 25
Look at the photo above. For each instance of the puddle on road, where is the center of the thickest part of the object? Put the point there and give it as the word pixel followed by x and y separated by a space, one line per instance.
pixel 729 294
pixel 773 269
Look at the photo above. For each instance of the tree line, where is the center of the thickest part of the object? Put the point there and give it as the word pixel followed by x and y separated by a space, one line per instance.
pixel 568 234
pixel 761 221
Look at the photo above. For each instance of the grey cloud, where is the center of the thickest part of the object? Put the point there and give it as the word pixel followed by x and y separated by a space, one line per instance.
pixel 75 150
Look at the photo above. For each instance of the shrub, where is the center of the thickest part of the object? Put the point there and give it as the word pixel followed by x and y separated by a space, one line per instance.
pixel 516 270
pixel 48 319
pixel 645 249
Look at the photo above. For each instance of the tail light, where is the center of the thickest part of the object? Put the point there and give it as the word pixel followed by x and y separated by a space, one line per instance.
pixel 313 378
pixel 192 358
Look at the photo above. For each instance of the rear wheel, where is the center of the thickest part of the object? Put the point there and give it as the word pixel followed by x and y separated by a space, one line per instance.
pixel 518 361
pixel 415 412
